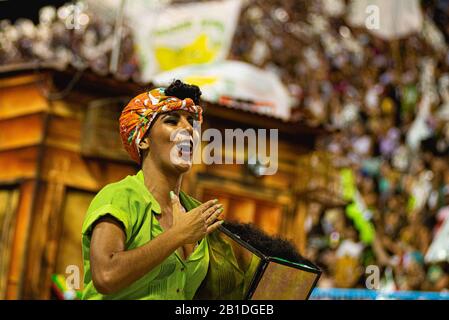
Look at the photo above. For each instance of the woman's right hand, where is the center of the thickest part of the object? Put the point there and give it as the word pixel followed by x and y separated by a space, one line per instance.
pixel 198 222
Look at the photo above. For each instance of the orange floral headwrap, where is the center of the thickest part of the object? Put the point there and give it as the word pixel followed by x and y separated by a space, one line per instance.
pixel 137 116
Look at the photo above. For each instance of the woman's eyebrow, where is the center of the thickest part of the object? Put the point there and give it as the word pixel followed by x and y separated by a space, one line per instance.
pixel 171 113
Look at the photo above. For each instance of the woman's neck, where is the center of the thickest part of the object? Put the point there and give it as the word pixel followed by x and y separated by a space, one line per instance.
pixel 160 183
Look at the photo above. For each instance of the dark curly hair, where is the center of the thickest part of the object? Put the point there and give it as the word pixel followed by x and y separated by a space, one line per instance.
pixel 183 90
pixel 268 245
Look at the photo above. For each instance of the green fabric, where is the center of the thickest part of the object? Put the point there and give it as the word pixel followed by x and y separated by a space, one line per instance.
pixel 411 203
pixel 225 279
pixel 355 209
pixel 348 183
pixel 130 202
pixel 409 98
pixel 366 229
pixel 228 278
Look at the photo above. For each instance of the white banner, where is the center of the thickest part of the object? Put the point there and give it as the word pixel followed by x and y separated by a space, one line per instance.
pixel 170 36
pixel 263 90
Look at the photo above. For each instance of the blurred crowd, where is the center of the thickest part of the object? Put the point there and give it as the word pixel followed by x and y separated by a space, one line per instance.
pixel 387 104
pixel 71 35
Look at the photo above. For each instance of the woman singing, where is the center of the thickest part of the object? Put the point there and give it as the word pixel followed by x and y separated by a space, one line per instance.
pixel 142 237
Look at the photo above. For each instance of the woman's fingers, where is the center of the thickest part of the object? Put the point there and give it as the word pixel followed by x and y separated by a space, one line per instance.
pixel 176 205
pixel 212 213
pixel 214 226
pixel 206 205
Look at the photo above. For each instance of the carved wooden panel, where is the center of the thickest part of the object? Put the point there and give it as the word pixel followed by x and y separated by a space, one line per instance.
pixel 246 209
pixel 19 248
pixel 21 99
pixel 9 198
pixel 100 136
pixel 22 131
pixel 69 249
pixel 83 173
pixel 23 166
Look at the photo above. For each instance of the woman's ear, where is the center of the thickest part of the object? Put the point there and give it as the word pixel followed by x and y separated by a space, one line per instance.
pixel 144 144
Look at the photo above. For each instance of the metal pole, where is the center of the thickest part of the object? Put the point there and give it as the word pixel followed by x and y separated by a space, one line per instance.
pixel 113 65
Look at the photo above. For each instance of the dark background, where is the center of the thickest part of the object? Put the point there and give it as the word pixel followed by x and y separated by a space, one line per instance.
pixel 15 9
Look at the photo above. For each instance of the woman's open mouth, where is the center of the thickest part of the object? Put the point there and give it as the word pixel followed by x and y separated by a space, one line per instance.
pixel 185 148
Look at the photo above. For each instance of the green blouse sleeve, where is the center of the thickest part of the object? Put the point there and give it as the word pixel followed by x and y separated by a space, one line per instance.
pixel 114 201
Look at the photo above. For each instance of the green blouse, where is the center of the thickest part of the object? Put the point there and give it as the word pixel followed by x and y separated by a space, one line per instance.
pixel 130 202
